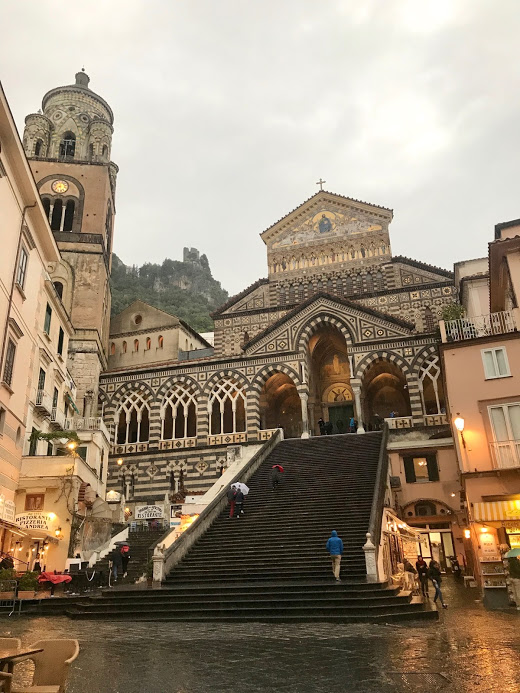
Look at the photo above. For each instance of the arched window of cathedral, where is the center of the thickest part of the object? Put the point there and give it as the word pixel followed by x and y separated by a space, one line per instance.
pixel 227 404
pixel 123 347
pixel 46 203
pixel 292 294
pixel 430 385
pixel 68 145
pixel 319 286
pixel 301 292
pixel 59 288
pixel 281 295
pixel 112 349
pixel 104 153
pixel 136 345
pixel 429 320
pixel 56 215
pixel 91 152
pixel 38 148
pixel 69 215
pixel 179 413
pixel 160 341
pixel 133 420
pixel 148 343
pixel 330 288
pixel 379 284
pixel 369 282
pixel 349 288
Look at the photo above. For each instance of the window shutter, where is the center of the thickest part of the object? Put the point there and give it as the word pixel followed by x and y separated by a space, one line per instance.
pixel 433 469
pixel 409 469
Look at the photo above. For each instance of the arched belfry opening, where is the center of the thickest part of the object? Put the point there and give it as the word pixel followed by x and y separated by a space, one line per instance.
pixel 280 405
pixel 385 392
pixel 330 392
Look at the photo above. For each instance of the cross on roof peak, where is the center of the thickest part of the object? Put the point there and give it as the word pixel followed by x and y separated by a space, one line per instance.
pixel 320 183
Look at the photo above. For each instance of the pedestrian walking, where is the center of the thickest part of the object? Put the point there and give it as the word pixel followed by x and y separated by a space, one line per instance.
pixel 434 573
pixel 276 475
pixel 239 503
pixel 422 572
pixel 125 557
pixel 231 500
pixel 321 424
pixel 245 490
pixel 335 549
pixel 117 562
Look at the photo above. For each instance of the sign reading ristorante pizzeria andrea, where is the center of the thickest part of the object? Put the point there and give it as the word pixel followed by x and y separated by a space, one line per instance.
pixel 149 512
pixel 34 520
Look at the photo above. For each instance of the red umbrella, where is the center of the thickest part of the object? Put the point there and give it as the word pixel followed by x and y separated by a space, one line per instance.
pixel 278 466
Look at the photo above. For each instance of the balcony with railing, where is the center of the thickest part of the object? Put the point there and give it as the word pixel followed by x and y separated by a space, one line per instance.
pixel 57 418
pixel 505 454
pixel 479 326
pixel 86 423
pixel 44 402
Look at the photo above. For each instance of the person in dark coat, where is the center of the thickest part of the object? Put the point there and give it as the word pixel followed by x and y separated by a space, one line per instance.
pixel 125 556
pixel 239 502
pixel 117 562
pixel 422 572
pixel 434 573
pixel 231 500
pixel 328 428
pixel 335 549
pixel 321 424
pixel 276 475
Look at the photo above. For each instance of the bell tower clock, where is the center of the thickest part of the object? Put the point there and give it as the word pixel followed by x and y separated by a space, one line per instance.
pixel 68 144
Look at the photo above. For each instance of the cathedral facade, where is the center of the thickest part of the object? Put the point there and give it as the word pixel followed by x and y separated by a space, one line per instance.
pixel 340 331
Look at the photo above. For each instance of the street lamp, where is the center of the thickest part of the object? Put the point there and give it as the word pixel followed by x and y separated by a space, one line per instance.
pixel 459 425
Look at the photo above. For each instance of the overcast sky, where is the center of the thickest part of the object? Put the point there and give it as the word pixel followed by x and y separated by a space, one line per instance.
pixel 228 111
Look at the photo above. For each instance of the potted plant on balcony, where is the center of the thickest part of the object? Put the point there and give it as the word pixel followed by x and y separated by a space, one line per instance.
pixel 27 585
pixel 68 438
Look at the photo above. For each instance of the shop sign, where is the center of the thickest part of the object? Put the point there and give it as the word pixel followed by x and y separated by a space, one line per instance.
pixel 9 511
pixel 149 512
pixel 35 520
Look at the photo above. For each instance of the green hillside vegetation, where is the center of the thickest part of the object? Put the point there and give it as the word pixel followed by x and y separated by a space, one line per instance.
pixel 185 289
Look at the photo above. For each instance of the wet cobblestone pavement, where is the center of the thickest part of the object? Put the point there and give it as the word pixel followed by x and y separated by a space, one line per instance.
pixel 469 649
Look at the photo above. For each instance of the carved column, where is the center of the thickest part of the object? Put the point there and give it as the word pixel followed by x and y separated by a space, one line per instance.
pixel 358 413
pixel 304 398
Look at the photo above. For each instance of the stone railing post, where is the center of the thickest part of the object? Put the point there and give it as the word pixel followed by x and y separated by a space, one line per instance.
pixel 158 565
pixel 304 398
pixel 358 411
pixel 370 559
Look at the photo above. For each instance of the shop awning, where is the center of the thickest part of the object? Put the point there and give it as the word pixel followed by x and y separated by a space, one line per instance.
pixel 496 511
pixel 13 528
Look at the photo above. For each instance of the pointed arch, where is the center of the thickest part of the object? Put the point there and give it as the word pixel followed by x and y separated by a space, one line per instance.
pixel 227 407
pixel 314 323
pixel 179 412
pixel 132 420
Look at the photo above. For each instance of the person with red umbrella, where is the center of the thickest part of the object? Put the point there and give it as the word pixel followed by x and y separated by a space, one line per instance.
pixel 276 475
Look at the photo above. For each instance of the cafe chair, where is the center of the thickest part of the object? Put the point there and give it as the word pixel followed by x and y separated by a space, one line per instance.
pixel 10 643
pixel 5 678
pixel 51 666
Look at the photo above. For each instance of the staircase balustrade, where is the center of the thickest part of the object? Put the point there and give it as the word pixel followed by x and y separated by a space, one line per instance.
pixel 371 547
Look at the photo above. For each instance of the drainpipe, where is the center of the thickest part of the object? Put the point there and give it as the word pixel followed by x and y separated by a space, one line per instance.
pixel 10 302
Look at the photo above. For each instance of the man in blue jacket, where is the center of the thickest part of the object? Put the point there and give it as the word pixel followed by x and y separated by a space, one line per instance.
pixel 335 549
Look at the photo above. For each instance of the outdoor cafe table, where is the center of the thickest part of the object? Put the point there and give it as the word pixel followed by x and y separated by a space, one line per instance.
pixel 9 657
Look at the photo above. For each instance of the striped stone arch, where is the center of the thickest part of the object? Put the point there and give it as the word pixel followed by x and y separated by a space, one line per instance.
pixel 311 326
pixel 377 356
pixel 267 371
pixel 126 389
pixel 422 356
pixel 176 380
pixel 222 375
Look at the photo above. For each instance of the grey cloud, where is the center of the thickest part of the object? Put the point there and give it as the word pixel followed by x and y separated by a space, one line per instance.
pixel 228 112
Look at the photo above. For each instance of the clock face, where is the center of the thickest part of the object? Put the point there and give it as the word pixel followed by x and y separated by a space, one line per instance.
pixel 60 186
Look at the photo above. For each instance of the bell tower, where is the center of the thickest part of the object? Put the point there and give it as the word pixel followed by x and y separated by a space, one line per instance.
pixel 68 144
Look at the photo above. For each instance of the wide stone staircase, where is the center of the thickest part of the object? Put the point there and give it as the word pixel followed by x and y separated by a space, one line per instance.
pixel 271 564
pixel 141 549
